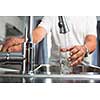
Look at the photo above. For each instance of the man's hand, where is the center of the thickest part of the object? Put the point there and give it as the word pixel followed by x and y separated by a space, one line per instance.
pixel 13 44
pixel 77 54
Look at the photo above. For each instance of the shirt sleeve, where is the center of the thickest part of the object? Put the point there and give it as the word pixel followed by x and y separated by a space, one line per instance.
pixel 91 26
pixel 46 23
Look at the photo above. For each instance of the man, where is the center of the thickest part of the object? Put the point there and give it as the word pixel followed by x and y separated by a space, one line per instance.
pixel 80 40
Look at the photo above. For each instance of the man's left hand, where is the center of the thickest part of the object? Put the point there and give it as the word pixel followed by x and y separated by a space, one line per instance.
pixel 77 54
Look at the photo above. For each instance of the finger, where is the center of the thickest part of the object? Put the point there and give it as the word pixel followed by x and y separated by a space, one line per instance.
pixel 70 48
pixel 1 47
pixel 16 48
pixel 8 43
pixel 6 46
pixel 63 49
pixel 76 62
pixel 11 42
pixel 75 56
pixel 66 49
pixel 75 49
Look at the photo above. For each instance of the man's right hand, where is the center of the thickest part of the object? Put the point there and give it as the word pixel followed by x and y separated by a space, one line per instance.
pixel 12 44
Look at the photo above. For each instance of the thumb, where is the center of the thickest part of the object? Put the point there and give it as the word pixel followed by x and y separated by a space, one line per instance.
pixel 16 48
pixel 64 49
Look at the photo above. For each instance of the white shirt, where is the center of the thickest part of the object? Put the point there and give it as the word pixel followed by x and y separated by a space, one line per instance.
pixel 79 27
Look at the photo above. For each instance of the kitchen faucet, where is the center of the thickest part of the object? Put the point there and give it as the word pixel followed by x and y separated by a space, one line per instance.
pixel 63 27
pixel 27 66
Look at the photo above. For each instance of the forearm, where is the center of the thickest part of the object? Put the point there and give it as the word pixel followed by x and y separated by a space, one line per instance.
pixel 38 34
pixel 90 42
pixel 78 52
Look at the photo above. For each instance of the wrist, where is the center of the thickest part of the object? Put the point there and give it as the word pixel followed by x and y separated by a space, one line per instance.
pixel 87 52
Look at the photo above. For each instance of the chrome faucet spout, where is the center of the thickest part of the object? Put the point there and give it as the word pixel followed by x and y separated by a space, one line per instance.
pixel 86 64
pixel 28 47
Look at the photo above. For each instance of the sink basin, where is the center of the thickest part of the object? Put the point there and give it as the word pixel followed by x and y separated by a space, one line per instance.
pixel 13 76
pixel 53 78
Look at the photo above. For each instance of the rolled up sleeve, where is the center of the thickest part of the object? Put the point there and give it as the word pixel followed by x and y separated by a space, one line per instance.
pixel 46 23
pixel 91 26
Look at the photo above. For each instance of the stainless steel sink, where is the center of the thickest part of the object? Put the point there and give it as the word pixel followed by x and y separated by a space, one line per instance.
pixel 73 78
pixel 13 76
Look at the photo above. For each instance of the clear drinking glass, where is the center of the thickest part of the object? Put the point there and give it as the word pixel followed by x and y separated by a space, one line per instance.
pixel 64 63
